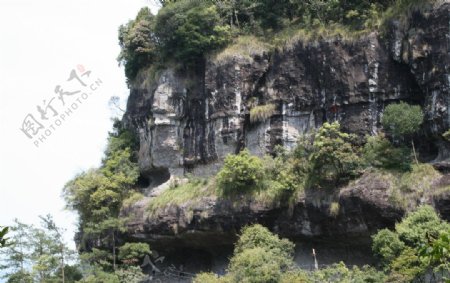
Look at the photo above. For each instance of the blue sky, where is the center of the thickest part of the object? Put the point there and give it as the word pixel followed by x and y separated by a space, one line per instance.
pixel 40 43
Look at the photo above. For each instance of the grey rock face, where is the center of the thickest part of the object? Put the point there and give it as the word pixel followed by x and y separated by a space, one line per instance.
pixel 424 46
pixel 190 122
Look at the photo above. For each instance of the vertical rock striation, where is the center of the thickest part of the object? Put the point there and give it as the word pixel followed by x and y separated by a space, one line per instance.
pixel 188 122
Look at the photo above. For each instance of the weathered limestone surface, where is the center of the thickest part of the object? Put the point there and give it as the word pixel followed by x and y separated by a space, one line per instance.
pixel 190 122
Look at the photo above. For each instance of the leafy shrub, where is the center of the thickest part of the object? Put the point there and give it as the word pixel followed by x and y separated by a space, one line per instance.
pixel 379 152
pixel 334 158
pixel 207 278
pixel 339 272
pixel 387 246
pixel 96 275
pixel 188 29
pixel 131 253
pixel 420 224
pixel 436 253
pixel 21 276
pixel 98 259
pixel 256 265
pixel 406 267
pixel 121 138
pixel 259 236
pixel 130 274
pixel 402 119
pixel 241 172
pixel 281 173
pixel 399 251
pixel 295 276
pixel 137 42
pixel 260 256
pixel 302 153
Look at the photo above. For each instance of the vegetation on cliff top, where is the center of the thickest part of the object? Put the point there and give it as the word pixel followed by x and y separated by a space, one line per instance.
pixel 185 31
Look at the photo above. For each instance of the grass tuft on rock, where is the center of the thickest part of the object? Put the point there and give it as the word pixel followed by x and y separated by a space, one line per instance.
pixel 261 113
pixel 191 192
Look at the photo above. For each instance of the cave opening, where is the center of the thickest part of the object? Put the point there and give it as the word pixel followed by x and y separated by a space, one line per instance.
pixel 158 177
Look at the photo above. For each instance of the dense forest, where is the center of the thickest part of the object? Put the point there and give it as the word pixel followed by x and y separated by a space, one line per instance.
pixel 183 34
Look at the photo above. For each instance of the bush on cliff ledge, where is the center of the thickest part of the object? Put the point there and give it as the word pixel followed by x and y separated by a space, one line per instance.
pixel 241 172
pixel 334 157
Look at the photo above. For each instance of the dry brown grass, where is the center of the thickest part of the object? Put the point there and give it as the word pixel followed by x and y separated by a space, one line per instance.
pixel 244 46
pixel 262 112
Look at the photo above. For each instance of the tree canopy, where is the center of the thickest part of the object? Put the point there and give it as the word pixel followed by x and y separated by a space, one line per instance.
pixel 402 119
pixel 185 31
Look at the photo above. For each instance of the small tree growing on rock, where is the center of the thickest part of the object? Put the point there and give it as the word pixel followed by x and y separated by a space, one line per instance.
pixel 402 120
pixel 240 172
pixel 334 157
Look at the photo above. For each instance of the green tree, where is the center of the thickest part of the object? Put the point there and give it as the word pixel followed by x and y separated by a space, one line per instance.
pixel 387 246
pixel 20 277
pixel 16 256
pixel 256 265
pixel 339 272
pixel 407 267
pixel 97 195
pixel 106 231
pixel 260 256
pixel 60 249
pixel 206 277
pixel 402 251
pixel 132 253
pixel 189 29
pixel 402 120
pixel 138 43
pixel 420 224
pixel 259 236
pixel 381 153
pixel 130 274
pixel 96 274
pixel 43 255
pixel 334 157
pixel 436 253
pixel 36 254
pixel 97 260
pixel 301 155
pixel 241 172
pixel 72 273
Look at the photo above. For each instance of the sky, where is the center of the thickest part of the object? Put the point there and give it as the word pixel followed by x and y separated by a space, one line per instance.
pixel 41 42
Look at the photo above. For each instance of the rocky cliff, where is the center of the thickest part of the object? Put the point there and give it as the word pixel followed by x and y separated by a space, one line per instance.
pixel 188 123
